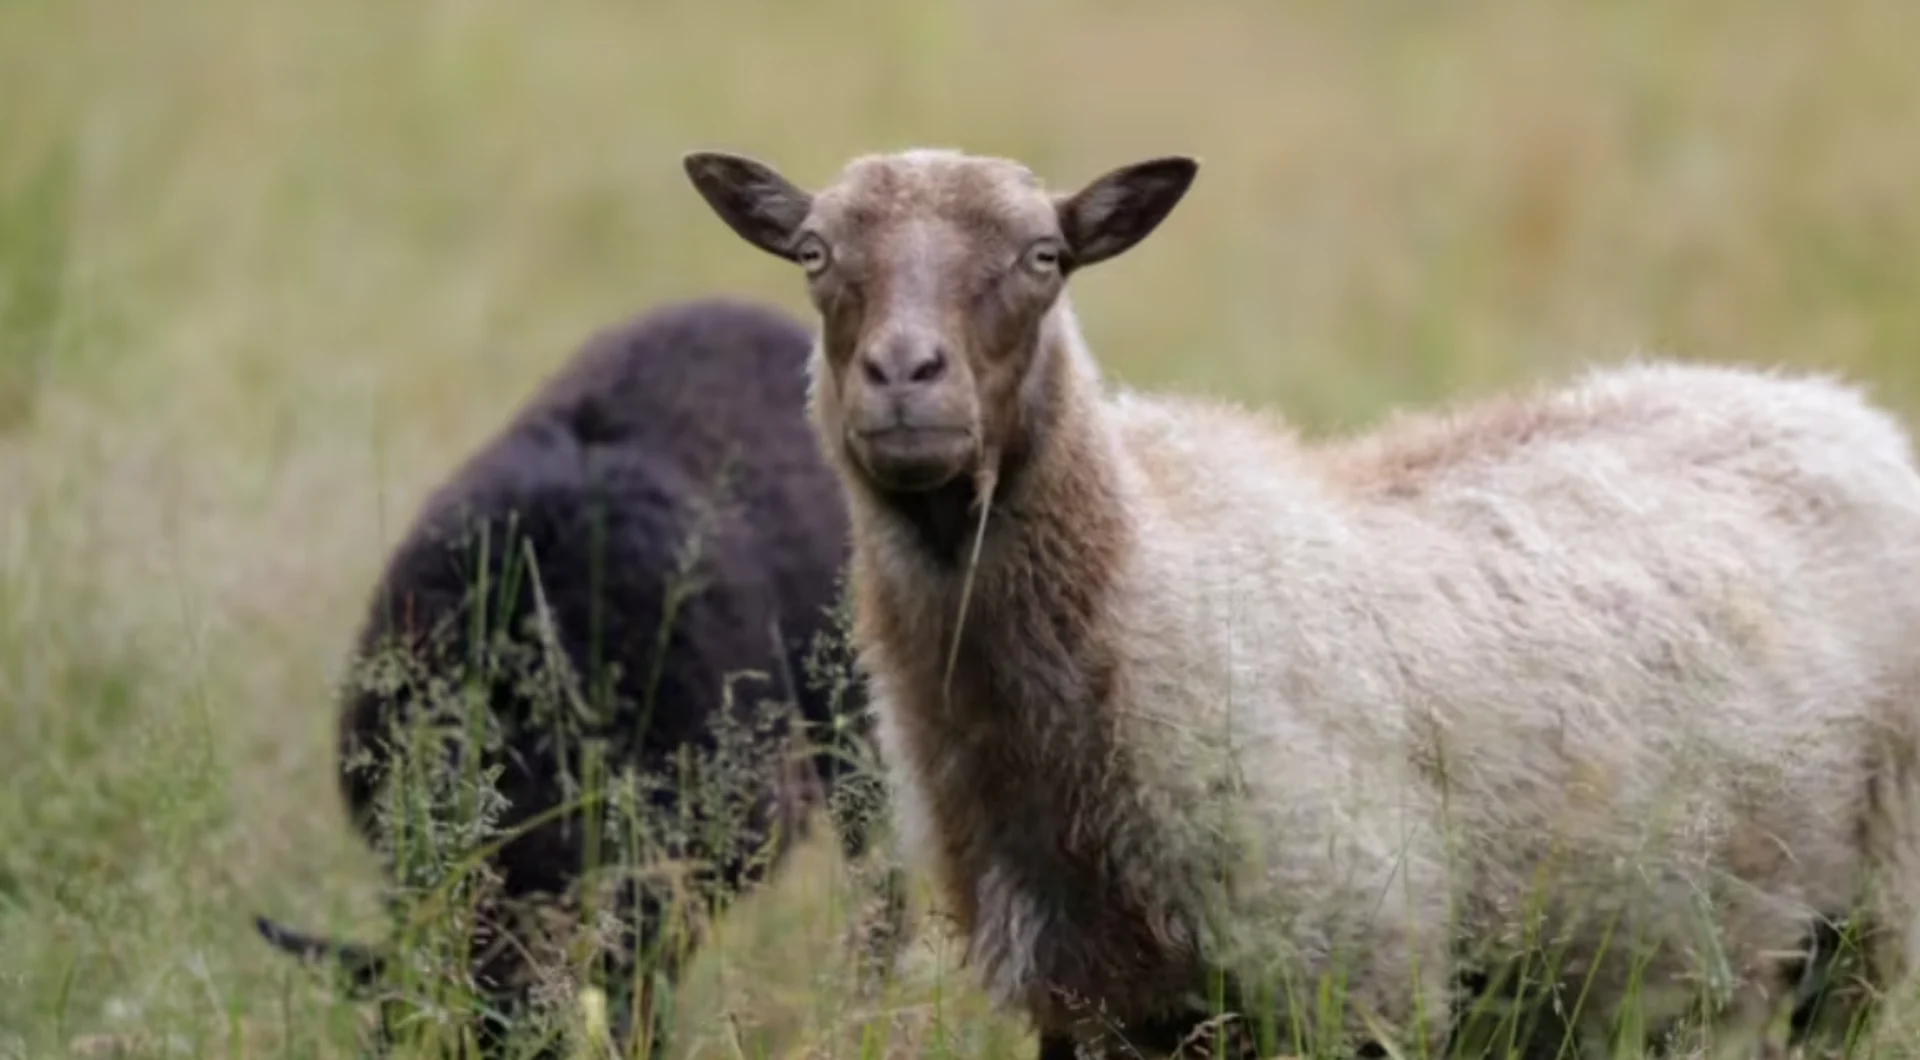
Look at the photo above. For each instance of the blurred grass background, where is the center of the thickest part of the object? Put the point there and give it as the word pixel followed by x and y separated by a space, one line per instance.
pixel 268 269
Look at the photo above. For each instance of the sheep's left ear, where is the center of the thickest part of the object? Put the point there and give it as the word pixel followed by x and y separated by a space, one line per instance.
pixel 1122 207
pixel 756 202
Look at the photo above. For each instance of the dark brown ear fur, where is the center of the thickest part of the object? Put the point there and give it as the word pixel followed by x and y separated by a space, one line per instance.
pixel 754 200
pixel 1122 207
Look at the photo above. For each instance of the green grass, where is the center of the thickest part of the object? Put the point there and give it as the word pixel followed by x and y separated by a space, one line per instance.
pixel 268 269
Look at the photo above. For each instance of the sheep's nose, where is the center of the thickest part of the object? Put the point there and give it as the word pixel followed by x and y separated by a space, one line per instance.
pixel 904 365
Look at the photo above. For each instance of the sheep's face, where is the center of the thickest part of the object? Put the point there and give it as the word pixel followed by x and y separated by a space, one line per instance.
pixel 934 274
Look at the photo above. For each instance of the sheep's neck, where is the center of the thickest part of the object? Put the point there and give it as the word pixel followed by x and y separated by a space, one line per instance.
pixel 1017 757
pixel 1032 643
pixel 943 521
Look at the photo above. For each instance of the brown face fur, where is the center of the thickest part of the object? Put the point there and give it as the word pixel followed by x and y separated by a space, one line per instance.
pixel 934 273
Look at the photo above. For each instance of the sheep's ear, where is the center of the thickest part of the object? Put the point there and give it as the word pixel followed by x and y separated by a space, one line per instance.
pixel 1122 207
pixel 756 202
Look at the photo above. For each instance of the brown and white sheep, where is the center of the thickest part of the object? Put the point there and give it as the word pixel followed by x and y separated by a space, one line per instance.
pixel 1621 678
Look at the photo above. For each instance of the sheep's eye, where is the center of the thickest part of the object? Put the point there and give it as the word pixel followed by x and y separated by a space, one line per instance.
pixel 1043 257
pixel 812 255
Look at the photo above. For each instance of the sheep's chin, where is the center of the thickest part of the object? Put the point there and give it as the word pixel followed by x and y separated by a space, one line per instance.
pixel 909 460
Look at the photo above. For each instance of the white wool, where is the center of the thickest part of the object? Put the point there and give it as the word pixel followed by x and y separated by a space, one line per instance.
pixel 1664 647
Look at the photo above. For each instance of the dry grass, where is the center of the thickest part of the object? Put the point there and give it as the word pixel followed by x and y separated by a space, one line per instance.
pixel 268 269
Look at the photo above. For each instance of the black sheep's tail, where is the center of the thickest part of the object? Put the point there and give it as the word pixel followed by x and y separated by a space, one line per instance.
pixel 362 964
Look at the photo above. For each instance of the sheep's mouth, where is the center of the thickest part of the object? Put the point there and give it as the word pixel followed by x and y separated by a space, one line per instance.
pixel 913 459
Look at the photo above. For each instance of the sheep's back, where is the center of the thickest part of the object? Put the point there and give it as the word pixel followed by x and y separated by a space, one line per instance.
pixel 707 383
pixel 685 423
pixel 1656 624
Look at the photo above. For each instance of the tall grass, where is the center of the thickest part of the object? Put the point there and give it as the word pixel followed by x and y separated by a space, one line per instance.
pixel 267 269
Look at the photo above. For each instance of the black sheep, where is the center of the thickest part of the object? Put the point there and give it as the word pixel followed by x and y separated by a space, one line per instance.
pixel 665 479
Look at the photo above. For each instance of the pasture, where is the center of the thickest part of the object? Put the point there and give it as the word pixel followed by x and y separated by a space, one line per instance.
pixel 269 270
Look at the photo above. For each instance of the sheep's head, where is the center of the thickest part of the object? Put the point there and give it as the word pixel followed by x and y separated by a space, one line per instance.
pixel 934 274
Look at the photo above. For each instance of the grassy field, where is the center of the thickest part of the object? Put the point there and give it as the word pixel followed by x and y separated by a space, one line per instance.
pixel 267 270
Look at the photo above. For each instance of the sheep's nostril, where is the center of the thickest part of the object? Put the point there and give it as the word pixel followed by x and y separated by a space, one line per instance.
pixel 903 364
pixel 930 369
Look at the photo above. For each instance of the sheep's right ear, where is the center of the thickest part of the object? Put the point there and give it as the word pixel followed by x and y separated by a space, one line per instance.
pixel 756 202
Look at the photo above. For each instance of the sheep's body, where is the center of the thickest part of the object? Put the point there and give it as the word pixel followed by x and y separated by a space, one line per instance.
pixel 1225 710
pixel 1654 633
pixel 680 430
